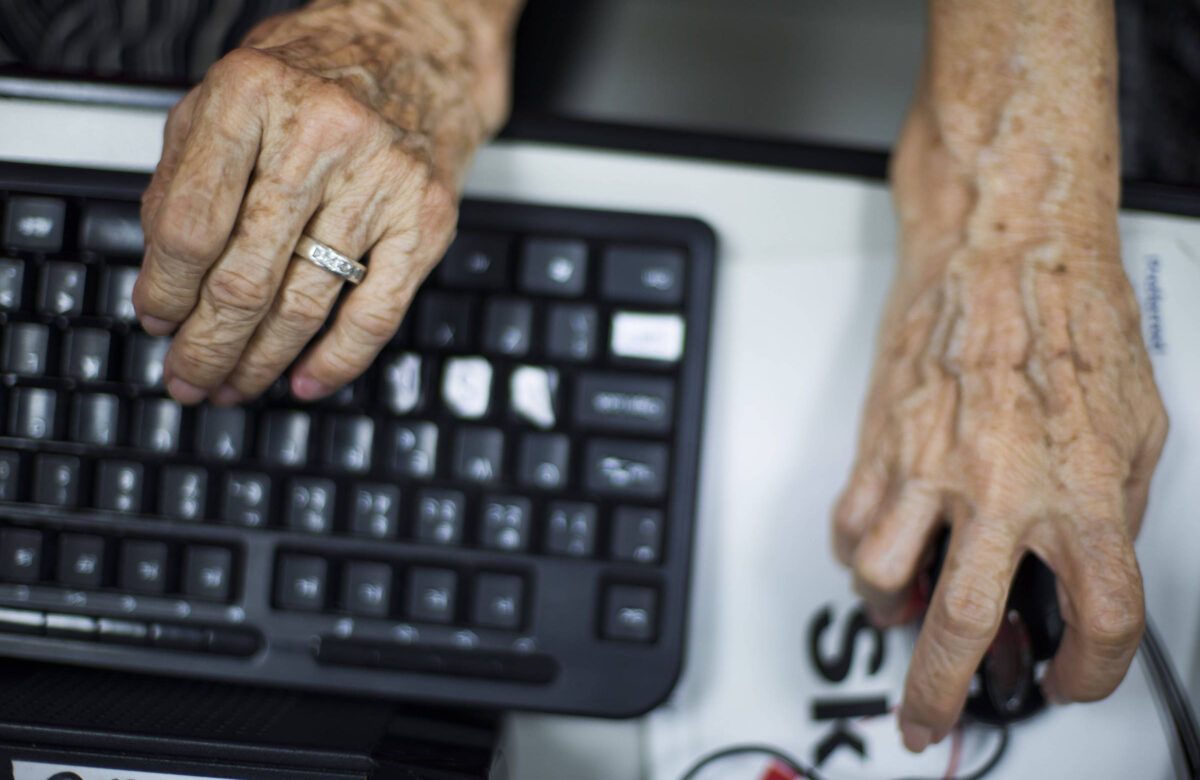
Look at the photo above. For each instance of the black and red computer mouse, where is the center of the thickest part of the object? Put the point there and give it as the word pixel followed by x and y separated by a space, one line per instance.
pixel 1005 688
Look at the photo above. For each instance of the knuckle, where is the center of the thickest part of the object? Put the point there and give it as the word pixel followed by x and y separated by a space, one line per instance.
pixel 195 361
pixel 299 311
pixel 1115 622
pixel 372 323
pixel 242 65
pixel 240 291
pixel 180 235
pixel 970 608
pixel 878 572
pixel 153 297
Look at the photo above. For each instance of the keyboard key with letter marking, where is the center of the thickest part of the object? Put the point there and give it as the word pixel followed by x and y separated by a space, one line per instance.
pixel 627 468
pixel 367 589
pixel 208 573
pixel 506 522
pixel 26 346
pixel 247 499
pixel 222 432
pixel 533 395
pixel 61 288
pixel 116 296
pixel 571 528
pixel 11 474
pixel 467 387
pixel 630 613
pixel 508 327
pixel 184 492
pixel 301 582
pixel 35 224
pixel 476 260
pixel 572 332
pixel 431 594
pixel 414 449
pixel 444 322
pixel 636 274
pixel 156 424
pixel 33 413
pixel 80 561
pixel 479 455
pixel 310 505
pixel 403 388
pixel 544 460
pixel 497 602
pixel 642 336
pixel 624 402
pixel 86 354
pixel 143 567
pixel 637 534
pixel 119 486
pixel 20 555
pixel 12 284
pixel 96 419
pixel 440 516
pixel 56 480
pixel 375 511
pixel 552 266
pixel 348 443
pixel 284 439
pixel 144 357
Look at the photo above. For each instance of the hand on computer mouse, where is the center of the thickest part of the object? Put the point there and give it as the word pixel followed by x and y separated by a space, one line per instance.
pixel 351 123
pixel 1012 395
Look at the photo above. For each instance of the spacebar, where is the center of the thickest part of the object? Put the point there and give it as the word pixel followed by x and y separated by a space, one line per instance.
pixel 517 667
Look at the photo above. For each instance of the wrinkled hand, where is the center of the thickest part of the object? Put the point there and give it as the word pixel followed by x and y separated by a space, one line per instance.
pixel 355 130
pixel 1012 399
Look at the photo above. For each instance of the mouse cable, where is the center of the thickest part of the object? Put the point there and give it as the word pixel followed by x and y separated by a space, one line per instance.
pixel 810 773
pixel 1174 699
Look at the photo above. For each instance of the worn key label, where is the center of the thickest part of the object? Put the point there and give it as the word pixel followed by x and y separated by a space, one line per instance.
pixel 35 770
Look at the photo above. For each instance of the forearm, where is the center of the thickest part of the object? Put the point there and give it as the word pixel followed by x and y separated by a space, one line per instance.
pixel 1012 141
pixel 437 69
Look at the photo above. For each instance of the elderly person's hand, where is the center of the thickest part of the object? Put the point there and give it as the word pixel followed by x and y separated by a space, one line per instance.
pixel 352 122
pixel 1012 396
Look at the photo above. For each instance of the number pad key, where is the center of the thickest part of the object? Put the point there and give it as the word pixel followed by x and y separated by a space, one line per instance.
pixel 183 493
pixel 247 499
pixel 376 511
pixel 440 517
pixel 571 529
pixel 506 523
pixel 62 287
pixel 310 505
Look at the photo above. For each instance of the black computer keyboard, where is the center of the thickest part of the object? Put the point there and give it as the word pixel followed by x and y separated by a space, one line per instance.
pixel 499 512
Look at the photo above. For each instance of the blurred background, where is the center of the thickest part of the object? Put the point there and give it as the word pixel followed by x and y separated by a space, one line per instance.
pixel 835 73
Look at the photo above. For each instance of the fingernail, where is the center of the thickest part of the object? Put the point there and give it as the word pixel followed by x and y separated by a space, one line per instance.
pixel 184 393
pixel 307 388
pixel 916 738
pixel 157 326
pixel 226 395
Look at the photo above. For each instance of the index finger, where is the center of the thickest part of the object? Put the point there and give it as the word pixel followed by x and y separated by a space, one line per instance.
pixel 964 615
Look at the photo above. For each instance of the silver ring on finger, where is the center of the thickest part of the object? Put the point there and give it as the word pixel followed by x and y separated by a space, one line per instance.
pixel 330 259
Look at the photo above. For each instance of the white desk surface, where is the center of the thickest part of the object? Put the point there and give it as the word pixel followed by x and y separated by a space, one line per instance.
pixel 804 261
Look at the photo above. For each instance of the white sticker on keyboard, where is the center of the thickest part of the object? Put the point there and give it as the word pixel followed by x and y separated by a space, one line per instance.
pixel 532 390
pixel 36 770
pixel 403 376
pixel 467 386
pixel 647 336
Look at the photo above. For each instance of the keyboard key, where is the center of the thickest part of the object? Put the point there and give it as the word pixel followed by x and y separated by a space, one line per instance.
pixel 144 355
pixel 61 288
pixel 156 423
pixel 11 474
pixel 85 355
pixel 402 384
pixel 143 567
pixel 571 529
pixel 221 432
pixel 440 516
pixel 20 555
pixel 122 632
pixel 554 267
pixel 301 582
pixel 507 327
pixel 26 347
pixel 183 493
pixel 116 292
pixel 476 260
pixel 414 449
pixel 112 229
pixel 630 613
pixel 642 336
pixel 119 486
pixel 247 499
pixel 80 561
pixel 12 283
pixel 506 522
pixel 637 274
pixel 35 224
pixel 208 573
pixel 467 387
pixel 176 637
pixel 284 439
pixel 95 419
pixel 544 461
pixel 624 402
pixel 348 443
pixel 56 480
pixel 444 322
pixel 479 455
pixel 431 594
pixel 627 468
pixel 533 395
pixel 375 511
pixel 33 413
pixel 310 505
pixel 637 534
pixel 572 332
pixel 367 589
pixel 497 602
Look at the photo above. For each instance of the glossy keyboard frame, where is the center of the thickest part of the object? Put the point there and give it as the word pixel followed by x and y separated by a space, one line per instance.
pixel 557 663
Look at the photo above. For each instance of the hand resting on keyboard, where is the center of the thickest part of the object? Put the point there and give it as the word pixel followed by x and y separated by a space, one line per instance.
pixel 352 124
